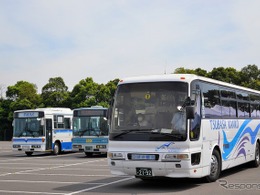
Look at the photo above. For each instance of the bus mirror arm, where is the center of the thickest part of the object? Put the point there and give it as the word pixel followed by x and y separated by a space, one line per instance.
pixel 190 112
pixel 109 113
pixel 42 121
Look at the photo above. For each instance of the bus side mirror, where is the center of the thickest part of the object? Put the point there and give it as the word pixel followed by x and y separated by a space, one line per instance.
pixel 190 112
pixel 109 113
pixel 42 121
pixel 109 110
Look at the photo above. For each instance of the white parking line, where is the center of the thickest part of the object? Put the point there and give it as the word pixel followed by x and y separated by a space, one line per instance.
pixel 28 181
pixel 99 186
pixel 70 175
pixel 28 192
pixel 49 168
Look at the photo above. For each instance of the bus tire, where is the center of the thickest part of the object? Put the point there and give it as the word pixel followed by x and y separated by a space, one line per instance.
pixel 28 153
pixel 256 161
pixel 56 149
pixel 215 167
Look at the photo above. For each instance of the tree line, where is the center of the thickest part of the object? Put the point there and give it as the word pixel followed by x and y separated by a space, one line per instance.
pixel 23 95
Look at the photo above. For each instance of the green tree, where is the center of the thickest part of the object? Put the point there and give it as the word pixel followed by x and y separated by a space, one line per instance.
pixel 250 73
pixel 229 75
pixel 106 92
pixel 183 70
pixel 88 93
pixel 250 76
pixel 83 93
pixel 6 117
pixel 24 95
pixel 55 93
pixel 198 71
pixel 112 85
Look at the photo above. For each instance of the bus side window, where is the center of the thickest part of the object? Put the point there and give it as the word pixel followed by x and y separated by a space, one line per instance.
pixel 67 123
pixel 58 121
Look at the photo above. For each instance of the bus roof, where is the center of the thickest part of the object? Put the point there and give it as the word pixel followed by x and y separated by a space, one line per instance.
pixel 49 110
pixel 188 78
pixel 92 108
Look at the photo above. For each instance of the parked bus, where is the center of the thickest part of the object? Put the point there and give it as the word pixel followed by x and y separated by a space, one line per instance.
pixel 90 130
pixel 182 125
pixel 42 130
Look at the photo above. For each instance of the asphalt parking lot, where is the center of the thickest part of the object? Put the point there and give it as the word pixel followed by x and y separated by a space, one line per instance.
pixel 73 173
pixel 68 173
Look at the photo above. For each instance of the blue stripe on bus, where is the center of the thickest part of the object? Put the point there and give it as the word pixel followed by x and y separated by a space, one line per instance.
pixel 89 140
pixel 62 131
pixel 27 140
pixel 244 135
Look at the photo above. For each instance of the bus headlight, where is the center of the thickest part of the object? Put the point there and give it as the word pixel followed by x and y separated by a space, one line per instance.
pixel 116 155
pixel 175 157
pixel 16 146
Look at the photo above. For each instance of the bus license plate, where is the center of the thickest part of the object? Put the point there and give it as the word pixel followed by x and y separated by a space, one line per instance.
pixel 26 147
pixel 144 172
pixel 89 148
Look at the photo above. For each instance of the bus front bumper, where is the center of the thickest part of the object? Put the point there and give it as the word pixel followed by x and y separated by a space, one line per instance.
pixel 157 169
pixel 89 148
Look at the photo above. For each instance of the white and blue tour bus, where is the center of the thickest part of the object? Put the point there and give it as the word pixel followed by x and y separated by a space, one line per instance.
pixel 42 130
pixel 90 130
pixel 182 125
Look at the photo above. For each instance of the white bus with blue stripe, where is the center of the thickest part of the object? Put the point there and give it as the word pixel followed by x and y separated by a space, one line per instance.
pixel 42 130
pixel 182 125
pixel 90 130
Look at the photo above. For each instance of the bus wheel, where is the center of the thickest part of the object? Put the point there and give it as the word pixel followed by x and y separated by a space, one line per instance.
pixel 56 149
pixel 215 167
pixel 256 162
pixel 28 153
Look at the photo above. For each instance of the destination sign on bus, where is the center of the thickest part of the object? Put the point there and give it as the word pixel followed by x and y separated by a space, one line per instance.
pixel 28 114
pixel 90 113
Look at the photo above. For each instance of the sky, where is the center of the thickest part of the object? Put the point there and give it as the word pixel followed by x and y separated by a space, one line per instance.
pixel 109 39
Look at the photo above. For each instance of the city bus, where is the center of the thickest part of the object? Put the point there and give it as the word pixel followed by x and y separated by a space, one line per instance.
pixel 42 130
pixel 90 130
pixel 182 126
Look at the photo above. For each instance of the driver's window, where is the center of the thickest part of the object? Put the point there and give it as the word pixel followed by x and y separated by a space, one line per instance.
pixel 196 121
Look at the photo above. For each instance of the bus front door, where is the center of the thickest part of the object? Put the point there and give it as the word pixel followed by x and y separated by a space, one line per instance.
pixel 48 134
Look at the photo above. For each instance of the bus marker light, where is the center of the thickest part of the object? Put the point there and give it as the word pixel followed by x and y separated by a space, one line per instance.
pixel 116 156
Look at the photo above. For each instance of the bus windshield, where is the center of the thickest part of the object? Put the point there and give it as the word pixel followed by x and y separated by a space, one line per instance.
pixel 28 127
pixel 149 111
pixel 90 126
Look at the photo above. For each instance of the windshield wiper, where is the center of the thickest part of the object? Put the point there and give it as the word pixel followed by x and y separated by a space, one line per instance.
pixel 177 136
pixel 27 132
pixel 83 131
pixel 131 130
pixel 20 134
pixel 86 130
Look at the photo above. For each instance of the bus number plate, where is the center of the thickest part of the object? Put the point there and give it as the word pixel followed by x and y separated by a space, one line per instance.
pixel 26 147
pixel 144 172
pixel 89 148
